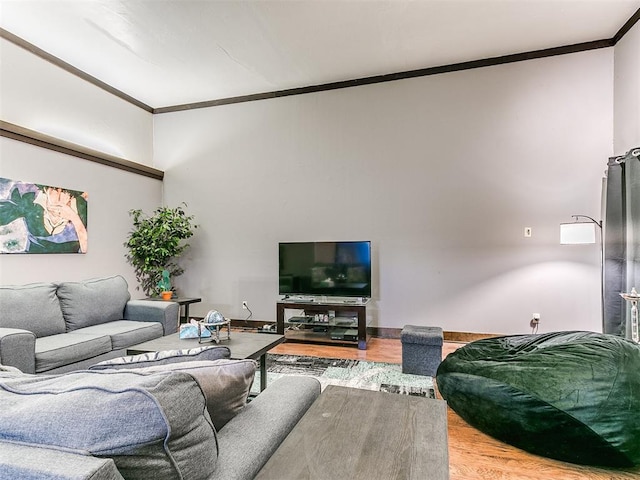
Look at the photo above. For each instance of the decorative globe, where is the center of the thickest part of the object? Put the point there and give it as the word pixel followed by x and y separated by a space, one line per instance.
pixel 213 317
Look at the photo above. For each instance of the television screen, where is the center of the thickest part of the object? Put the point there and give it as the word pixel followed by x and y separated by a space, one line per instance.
pixel 341 269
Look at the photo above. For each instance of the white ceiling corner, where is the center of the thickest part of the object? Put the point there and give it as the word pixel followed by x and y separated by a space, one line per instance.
pixel 172 52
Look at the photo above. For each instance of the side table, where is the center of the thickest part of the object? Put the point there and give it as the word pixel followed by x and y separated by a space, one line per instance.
pixel 180 301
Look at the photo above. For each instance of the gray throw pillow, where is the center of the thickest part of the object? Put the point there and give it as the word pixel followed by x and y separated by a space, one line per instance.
pixel 32 307
pixel 152 425
pixel 225 384
pixel 93 302
pixel 164 357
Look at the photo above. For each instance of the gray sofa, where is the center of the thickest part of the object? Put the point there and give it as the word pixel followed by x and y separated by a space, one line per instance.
pixel 187 420
pixel 60 327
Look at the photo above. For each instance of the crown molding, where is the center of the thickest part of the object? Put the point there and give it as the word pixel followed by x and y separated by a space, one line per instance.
pixel 71 69
pixel 626 27
pixel 487 62
pixel 391 77
pixel 25 135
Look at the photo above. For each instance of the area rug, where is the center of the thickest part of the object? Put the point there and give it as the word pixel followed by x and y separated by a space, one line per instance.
pixel 384 377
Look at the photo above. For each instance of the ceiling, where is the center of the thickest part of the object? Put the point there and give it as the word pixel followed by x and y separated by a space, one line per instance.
pixel 172 52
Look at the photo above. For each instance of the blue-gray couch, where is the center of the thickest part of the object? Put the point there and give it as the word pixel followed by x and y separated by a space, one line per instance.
pixel 60 327
pixel 163 416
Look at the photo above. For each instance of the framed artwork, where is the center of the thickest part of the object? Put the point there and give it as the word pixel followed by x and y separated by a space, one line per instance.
pixel 38 218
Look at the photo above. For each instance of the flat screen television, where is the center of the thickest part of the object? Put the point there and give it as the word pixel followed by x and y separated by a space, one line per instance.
pixel 340 269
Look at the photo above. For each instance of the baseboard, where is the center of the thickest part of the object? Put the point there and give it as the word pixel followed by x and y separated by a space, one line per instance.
pixel 250 324
pixel 465 337
pixel 378 332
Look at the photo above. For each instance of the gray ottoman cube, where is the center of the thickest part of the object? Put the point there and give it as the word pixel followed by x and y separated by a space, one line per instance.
pixel 421 350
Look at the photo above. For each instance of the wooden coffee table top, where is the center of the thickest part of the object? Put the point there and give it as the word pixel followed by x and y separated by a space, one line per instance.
pixel 241 344
pixel 359 434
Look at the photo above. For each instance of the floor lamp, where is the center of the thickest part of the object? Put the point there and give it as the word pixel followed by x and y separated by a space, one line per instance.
pixel 584 232
pixel 633 299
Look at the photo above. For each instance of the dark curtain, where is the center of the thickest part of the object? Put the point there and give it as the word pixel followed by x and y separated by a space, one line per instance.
pixel 621 240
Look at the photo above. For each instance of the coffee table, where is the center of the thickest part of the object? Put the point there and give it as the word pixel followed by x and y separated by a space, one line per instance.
pixel 241 344
pixel 361 434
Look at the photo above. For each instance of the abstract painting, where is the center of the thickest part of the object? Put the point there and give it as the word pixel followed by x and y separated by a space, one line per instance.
pixel 38 218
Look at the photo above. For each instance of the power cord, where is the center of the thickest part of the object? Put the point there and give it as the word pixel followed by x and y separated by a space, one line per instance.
pixel 534 325
pixel 250 313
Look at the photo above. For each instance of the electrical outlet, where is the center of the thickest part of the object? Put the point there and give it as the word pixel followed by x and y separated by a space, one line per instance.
pixel 244 305
pixel 527 232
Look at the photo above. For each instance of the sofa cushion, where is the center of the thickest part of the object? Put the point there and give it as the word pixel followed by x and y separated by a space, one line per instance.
pixel 92 302
pixel 125 333
pixel 165 357
pixel 5 369
pixel 225 384
pixel 32 307
pixel 36 462
pixel 65 348
pixel 152 425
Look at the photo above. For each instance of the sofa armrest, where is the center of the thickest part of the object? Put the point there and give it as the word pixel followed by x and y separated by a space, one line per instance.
pixel 165 313
pixel 18 349
pixel 251 437
pixel 34 462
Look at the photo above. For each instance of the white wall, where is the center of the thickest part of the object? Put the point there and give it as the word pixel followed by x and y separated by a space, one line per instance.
pixel 627 92
pixel 111 194
pixel 41 97
pixel 36 94
pixel 441 173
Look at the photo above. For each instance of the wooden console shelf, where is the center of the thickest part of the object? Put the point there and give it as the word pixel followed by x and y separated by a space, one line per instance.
pixel 329 330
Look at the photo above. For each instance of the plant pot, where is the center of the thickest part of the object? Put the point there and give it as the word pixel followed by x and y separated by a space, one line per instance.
pixel 167 295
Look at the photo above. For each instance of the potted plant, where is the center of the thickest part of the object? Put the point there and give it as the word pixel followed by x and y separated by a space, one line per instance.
pixel 164 285
pixel 155 243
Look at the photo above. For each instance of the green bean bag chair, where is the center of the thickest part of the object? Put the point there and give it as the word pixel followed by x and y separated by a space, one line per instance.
pixel 572 396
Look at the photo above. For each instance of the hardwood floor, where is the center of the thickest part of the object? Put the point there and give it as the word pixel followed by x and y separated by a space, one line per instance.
pixel 472 454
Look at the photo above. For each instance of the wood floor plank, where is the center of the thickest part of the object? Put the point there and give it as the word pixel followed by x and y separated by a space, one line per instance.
pixel 472 454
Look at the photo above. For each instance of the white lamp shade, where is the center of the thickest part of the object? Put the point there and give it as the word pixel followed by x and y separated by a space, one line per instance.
pixel 577 233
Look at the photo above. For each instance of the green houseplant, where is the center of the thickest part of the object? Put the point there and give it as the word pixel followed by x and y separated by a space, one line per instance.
pixel 164 285
pixel 155 243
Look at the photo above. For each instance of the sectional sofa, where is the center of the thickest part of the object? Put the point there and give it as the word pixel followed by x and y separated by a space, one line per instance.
pixel 160 416
pixel 60 327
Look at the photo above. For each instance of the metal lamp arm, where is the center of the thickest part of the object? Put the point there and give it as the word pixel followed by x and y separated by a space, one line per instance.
pixel 599 223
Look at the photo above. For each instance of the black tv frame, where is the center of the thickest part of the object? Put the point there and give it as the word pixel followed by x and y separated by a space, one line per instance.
pixel 328 278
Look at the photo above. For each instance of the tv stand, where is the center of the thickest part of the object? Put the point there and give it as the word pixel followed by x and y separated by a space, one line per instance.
pixel 326 323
